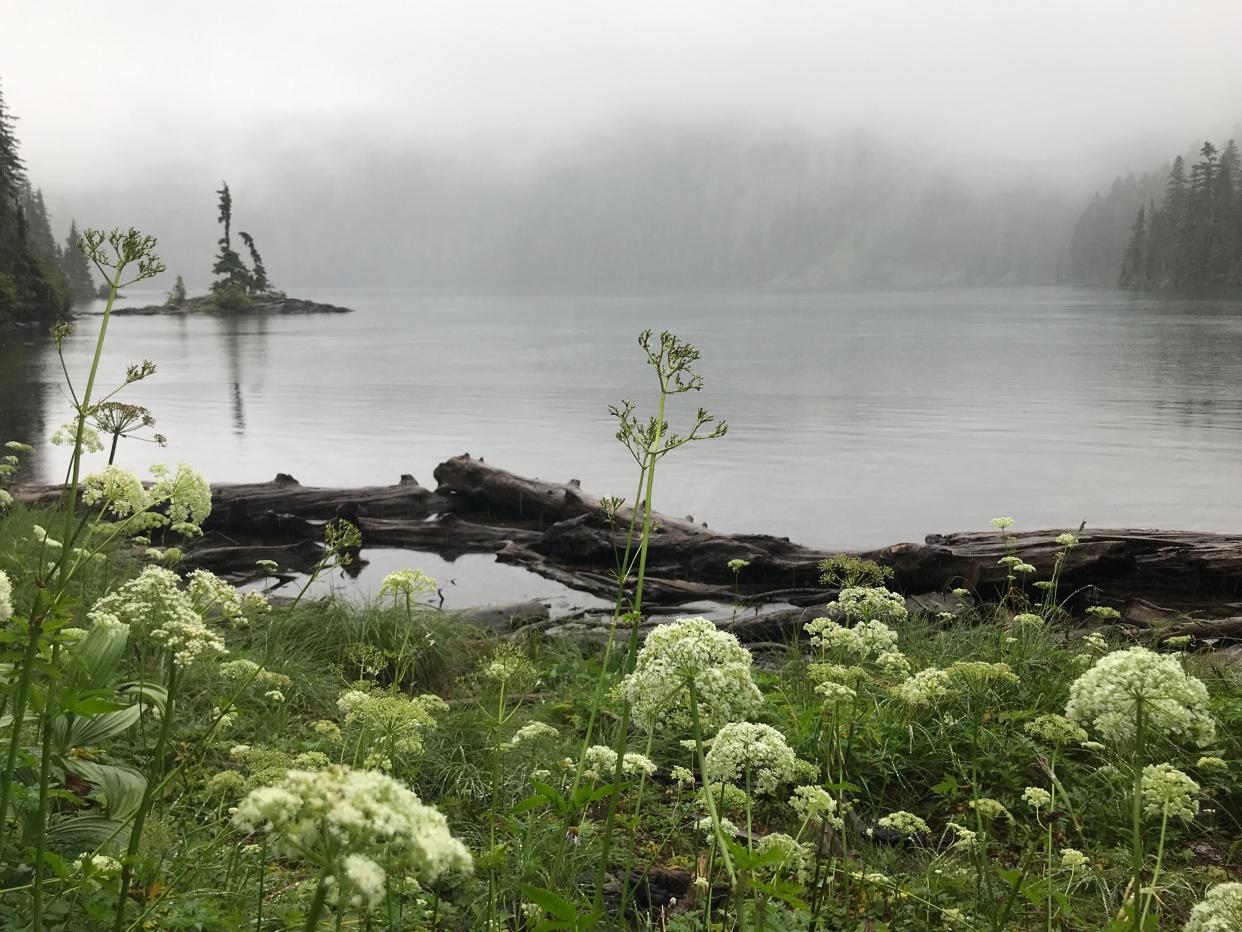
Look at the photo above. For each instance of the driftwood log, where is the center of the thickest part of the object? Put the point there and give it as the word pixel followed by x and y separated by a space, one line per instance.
pixel 565 534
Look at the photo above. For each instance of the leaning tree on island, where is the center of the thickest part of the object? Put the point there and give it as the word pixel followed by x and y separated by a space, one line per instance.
pixel 235 283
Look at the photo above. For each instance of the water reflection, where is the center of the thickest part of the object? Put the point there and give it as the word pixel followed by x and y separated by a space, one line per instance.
pixel 856 420
pixel 23 391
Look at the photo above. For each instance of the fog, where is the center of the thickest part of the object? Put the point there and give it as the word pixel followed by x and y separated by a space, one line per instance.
pixel 583 145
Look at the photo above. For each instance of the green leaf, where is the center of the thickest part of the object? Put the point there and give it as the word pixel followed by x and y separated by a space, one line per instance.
pixel 97 705
pixel 553 903
pixel 87 731
pixel 99 654
pixel 74 834
pixel 122 787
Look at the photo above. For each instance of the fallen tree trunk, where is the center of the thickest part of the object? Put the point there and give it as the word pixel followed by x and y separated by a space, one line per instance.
pixel 565 534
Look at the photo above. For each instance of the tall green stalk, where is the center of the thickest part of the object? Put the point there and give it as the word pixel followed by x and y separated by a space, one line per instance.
pixel 1136 816
pixel 631 655
pixel 148 795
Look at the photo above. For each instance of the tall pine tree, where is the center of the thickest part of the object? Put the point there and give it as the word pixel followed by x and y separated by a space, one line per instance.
pixel 31 287
pixel 1133 262
pixel 232 276
pixel 258 278
pixel 1194 240
pixel 77 268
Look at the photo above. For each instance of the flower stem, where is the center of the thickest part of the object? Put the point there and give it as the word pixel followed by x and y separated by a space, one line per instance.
pixel 1136 817
pixel 148 794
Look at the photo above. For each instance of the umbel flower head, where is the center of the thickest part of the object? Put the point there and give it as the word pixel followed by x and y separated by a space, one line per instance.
pixel 6 597
pixel 903 823
pixel 401 721
pixel 116 489
pixel 750 755
pixel 872 603
pixel 1220 911
pixel 814 804
pixel 184 493
pixel 690 651
pixel 865 640
pixel 1174 704
pixel 153 603
pixel 1167 790
pixel 407 583
pixel 357 824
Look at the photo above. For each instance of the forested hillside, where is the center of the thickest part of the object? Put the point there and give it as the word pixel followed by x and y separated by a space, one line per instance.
pixel 38 279
pixel 1192 238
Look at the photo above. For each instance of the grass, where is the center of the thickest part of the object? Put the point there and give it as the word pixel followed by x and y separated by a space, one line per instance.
pixel 194 870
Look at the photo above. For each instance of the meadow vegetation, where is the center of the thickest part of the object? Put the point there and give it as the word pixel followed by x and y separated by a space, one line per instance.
pixel 182 755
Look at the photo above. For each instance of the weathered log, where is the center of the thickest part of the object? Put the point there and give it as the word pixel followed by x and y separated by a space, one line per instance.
pixel 1228 628
pixel 564 534
pixel 245 506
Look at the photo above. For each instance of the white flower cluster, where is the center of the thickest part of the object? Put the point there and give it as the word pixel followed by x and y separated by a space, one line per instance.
pixel 399 720
pixel 362 881
pixel 1107 696
pixel 1073 859
pixel 691 650
pixel 814 804
pixel 925 687
pixel 906 824
pixel 873 603
pixel 407 583
pixel 67 435
pixel 1055 730
pixel 1220 910
pixel 509 664
pixel 184 493
pixel 153 603
pixel 326 816
pixel 864 640
pixel 97 864
pixel 750 755
pixel 1167 790
pixel 1037 797
pixel 964 839
pixel 781 853
pixel 116 489
pixel 600 763
pixel 531 732
pixel 6 597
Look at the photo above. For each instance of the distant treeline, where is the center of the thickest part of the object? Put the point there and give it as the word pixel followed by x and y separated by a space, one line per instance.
pixel 39 278
pixel 1174 228
pixel 1193 239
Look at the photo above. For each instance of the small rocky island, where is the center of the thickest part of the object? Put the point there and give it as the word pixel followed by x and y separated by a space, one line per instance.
pixel 238 289
pixel 276 302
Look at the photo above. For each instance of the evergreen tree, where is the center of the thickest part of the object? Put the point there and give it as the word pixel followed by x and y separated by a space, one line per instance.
pixel 77 268
pixel 1225 257
pixel 259 283
pixel 1194 240
pixel 1133 262
pixel 1157 240
pixel 178 295
pixel 32 286
pixel 39 226
pixel 232 276
pixel 1177 221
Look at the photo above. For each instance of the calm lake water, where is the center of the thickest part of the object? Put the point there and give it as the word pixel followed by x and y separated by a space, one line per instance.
pixel 855 420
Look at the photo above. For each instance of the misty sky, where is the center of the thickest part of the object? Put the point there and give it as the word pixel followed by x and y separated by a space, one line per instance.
pixel 171 96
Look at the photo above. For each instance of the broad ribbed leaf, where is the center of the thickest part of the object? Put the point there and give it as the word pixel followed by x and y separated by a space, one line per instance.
pixel 122 787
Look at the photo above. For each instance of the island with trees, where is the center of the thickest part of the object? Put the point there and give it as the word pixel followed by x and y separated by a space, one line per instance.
pixel 238 288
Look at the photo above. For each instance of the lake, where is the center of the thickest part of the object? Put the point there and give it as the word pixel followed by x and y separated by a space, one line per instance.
pixel 855 420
